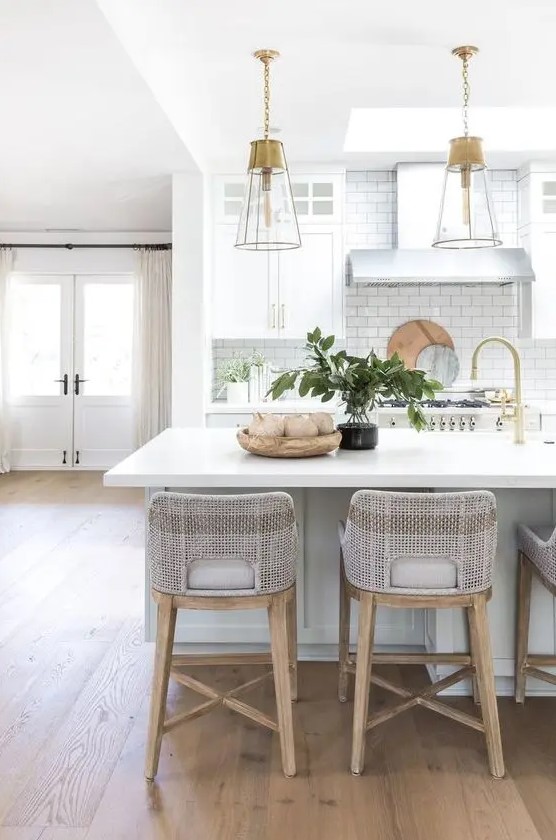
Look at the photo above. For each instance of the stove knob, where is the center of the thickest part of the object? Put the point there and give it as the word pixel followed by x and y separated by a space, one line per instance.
pixel 432 424
pixel 392 421
pixel 462 423
pixel 452 423
pixel 499 424
pixel 472 423
pixel 442 423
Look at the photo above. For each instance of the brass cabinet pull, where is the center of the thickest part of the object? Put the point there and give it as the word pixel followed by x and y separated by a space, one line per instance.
pixel 283 316
pixel 273 322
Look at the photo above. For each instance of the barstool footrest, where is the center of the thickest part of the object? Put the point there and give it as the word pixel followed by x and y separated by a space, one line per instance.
pixel 182 659
pixel 424 698
pixel 415 659
pixel 537 674
pixel 227 699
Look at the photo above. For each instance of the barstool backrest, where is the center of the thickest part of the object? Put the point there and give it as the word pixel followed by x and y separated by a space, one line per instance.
pixel 412 532
pixel 256 529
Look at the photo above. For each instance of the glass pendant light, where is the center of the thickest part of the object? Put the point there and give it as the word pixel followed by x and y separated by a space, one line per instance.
pixel 268 221
pixel 466 218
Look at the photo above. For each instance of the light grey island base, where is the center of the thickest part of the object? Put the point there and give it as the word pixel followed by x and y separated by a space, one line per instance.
pixel 523 479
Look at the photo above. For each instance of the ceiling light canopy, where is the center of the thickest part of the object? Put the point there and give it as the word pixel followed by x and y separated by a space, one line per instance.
pixel 466 218
pixel 268 221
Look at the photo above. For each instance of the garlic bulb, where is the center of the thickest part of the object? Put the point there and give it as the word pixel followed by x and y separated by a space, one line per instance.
pixel 299 426
pixel 323 421
pixel 267 425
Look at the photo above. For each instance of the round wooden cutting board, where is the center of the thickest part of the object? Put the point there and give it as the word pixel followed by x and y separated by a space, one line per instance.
pixel 409 339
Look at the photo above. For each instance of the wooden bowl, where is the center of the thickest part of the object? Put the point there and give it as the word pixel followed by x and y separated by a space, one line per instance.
pixel 288 447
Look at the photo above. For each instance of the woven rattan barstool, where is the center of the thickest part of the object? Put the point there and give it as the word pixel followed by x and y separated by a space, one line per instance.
pixel 223 553
pixel 418 550
pixel 537 554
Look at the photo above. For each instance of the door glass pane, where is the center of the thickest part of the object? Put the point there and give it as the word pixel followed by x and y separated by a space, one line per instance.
pixel 300 190
pixel 302 208
pixel 107 337
pixel 323 208
pixel 234 190
pixel 322 190
pixel 232 208
pixel 34 358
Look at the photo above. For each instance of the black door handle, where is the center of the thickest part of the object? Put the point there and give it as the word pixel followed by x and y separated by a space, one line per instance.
pixel 64 379
pixel 76 384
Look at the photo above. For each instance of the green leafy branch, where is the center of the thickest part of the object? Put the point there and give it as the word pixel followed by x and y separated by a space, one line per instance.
pixel 362 382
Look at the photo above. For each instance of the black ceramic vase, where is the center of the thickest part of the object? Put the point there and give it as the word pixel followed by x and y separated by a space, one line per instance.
pixel 358 435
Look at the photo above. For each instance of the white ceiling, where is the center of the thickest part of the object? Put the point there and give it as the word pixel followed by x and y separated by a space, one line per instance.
pixel 84 143
pixel 103 99
pixel 335 55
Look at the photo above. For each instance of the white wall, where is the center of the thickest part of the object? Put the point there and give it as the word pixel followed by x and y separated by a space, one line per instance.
pixel 190 293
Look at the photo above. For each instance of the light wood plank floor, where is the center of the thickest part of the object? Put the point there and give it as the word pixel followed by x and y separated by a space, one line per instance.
pixel 74 690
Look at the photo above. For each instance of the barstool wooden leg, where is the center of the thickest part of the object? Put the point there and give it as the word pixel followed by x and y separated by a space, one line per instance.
pixel 362 681
pixel 482 657
pixel 277 618
pixel 292 643
pixel 165 628
pixel 476 698
pixel 523 615
pixel 345 617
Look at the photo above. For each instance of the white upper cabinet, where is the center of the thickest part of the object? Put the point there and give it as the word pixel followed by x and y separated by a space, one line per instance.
pixel 244 301
pixel 310 284
pixel 228 193
pixel 537 198
pixel 319 199
pixel 537 233
pixel 279 294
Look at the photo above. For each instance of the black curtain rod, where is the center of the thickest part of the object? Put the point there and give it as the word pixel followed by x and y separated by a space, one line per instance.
pixel 162 246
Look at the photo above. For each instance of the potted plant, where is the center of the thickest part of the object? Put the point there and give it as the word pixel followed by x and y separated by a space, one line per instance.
pixel 234 375
pixel 362 383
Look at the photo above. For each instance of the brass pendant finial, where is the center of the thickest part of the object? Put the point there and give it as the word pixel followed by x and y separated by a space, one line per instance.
pixel 266 56
pixel 466 52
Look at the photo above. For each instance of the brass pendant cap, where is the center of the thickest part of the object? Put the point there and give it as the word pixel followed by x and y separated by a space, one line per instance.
pixel 466 152
pixel 267 154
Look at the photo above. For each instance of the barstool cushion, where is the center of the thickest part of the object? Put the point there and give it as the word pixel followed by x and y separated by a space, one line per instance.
pixel 220 573
pixel 538 543
pixel 423 572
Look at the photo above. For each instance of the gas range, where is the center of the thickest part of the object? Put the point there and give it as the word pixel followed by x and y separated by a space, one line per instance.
pixel 457 415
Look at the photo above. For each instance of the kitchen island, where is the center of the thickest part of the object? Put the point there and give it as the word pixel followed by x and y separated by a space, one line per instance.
pixel 523 479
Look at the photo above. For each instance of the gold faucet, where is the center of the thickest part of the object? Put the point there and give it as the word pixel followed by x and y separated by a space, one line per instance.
pixel 517 417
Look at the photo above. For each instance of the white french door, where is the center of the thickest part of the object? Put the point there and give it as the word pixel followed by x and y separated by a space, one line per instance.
pixel 70 370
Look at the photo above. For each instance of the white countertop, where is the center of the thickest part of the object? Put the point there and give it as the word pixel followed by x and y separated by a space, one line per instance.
pixel 200 457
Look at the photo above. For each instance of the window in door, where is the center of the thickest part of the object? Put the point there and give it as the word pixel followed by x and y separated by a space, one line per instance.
pixel 107 338
pixel 35 352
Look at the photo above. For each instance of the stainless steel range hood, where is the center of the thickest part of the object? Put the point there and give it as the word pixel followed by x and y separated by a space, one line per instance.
pixel 414 261
pixel 408 266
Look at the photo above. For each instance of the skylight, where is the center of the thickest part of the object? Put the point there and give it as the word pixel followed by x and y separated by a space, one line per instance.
pixel 429 129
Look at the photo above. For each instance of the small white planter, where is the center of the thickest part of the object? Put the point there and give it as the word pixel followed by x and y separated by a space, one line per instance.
pixel 237 392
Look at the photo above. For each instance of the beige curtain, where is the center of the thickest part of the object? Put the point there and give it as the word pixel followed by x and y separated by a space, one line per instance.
pixel 152 352
pixel 7 256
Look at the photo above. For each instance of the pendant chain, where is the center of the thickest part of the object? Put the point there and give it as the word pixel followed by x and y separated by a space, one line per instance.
pixel 465 109
pixel 266 99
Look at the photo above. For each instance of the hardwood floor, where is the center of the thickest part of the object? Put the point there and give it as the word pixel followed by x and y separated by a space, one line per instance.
pixel 74 694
